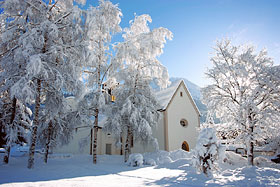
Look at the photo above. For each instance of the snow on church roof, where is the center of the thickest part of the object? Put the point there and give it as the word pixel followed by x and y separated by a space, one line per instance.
pixel 164 96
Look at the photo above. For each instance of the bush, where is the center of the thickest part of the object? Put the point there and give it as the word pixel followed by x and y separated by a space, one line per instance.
pixel 207 152
pixel 135 159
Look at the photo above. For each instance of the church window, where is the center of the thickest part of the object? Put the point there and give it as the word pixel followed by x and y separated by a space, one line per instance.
pixel 184 122
pixel 181 94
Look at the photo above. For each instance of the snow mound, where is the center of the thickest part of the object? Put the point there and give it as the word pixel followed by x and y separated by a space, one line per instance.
pixel 264 162
pixel 179 154
pixel 135 159
pixel 150 162
pixel 163 157
pixel 234 159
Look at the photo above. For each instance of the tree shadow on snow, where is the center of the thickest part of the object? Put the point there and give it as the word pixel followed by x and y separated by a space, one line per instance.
pixel 244 176
pixel 189 177
pixel 61 168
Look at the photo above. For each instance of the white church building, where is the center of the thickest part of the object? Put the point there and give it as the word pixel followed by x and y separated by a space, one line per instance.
pixel 176 129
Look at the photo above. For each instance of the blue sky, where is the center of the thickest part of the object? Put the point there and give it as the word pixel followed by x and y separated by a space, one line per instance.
pixel 197 24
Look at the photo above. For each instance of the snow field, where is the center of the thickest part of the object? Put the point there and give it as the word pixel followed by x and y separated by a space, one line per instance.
pixel 171 169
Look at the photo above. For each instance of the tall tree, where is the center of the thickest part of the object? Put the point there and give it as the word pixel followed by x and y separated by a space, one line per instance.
pixel 15 122
pixel 244 93
pixel 48 44
pixel 58 122
pixel 12 65
pixel 102 22
pixel 137 106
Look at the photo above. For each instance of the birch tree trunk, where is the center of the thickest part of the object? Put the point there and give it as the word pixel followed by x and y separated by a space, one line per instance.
pixel 94 151
pixel 91 140
pixel 250 147
pixel 95 135
pixel 35 127
pixel 13 115
pixel 48 141
pixel 127 149
pixel 121 139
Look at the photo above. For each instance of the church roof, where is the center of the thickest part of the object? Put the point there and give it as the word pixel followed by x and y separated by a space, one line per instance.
pixel 165 96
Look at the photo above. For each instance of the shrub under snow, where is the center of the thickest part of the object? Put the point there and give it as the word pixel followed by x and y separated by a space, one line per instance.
pixel 234 159
pixel 158 157
pixel 207 152
pixel 135 159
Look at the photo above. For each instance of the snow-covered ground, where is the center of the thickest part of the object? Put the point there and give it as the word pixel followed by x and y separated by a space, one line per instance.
pixel 171 169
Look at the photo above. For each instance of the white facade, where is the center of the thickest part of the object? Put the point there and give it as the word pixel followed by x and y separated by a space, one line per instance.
pixel 181 107
pixel 177 104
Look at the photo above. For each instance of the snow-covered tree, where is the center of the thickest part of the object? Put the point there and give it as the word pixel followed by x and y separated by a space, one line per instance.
pixel 58 121
pixel 135 110
pixel 102 22
pixel 12 65
pixel 45 44
pixel 244 93
pixel 15 122
pixel 207 152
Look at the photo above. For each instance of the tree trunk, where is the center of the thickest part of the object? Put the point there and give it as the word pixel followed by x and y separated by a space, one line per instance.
pixel 91 140
pixel 121 139
pixel 35 126
pixel 7 155
pixel 250 147
pixel 127 149
pixel 95 135
pixel 48 142
pixel 13 115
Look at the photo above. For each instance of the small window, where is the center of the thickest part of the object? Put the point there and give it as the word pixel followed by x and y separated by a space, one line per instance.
pixel 181 94
pixel 109 134
pixel 184 122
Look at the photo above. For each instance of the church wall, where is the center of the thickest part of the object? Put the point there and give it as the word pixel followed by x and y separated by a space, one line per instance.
pixel 158 133
pixel 181 108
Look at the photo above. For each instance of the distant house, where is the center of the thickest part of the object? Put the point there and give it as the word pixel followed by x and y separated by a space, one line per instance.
pixel 177 126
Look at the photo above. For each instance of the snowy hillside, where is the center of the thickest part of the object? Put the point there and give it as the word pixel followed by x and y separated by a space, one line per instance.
pixel 194 91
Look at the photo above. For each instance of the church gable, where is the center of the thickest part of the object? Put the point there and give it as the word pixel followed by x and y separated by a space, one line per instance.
pixel 182 119
pixel 182 92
